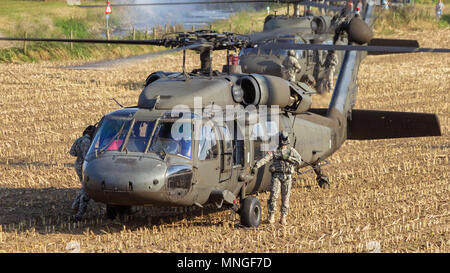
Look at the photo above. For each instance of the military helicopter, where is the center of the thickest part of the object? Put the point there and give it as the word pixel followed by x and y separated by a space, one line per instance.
pixel 177 148
pixel 297 29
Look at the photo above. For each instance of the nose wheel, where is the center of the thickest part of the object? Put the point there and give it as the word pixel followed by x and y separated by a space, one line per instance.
pixel 250 212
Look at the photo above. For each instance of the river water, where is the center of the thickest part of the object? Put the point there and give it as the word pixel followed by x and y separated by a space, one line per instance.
pixel 199 16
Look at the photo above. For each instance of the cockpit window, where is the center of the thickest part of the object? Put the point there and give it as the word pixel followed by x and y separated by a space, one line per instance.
pixel 139 136
pixel 248 51
pixel 111 135
pixel 265 137
pixel 207 145
pixel 173 138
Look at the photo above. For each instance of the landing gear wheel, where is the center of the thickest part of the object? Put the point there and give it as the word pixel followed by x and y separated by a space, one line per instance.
pixel 323 182
pixel 321 179
pixel 250 212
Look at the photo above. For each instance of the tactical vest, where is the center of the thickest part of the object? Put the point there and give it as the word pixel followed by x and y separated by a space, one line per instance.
pixel 280 163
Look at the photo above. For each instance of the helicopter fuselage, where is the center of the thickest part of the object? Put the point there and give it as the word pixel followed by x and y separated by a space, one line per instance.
pixel 126 167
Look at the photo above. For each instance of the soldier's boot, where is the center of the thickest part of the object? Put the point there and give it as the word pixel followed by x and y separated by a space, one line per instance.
pixel 283 220
pixel 271 218
pixel 82 208
pixel 76 203
pixel 330 87
pixel 323 182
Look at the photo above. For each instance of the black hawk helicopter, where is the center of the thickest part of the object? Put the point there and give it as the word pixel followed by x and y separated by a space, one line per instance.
pixel 177 147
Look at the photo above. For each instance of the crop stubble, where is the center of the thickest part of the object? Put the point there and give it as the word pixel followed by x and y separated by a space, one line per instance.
pixel 394 192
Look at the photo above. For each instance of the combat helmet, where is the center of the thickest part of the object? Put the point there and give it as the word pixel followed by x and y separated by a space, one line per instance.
pixel 284 138
pixel 90 130
pixel 291 52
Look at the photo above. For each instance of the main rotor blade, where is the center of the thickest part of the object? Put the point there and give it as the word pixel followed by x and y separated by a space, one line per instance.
pixel 394 49
pixel 127 61
pixel 91 41
pixel 304 3
pixel 391 42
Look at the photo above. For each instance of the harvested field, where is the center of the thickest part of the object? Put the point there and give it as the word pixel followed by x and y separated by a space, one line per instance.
pixel 392 192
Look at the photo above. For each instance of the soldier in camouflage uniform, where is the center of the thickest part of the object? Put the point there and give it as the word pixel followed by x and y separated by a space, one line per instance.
pixel 290 66
pixel 79 149
pixel 284 160
pixel 330 64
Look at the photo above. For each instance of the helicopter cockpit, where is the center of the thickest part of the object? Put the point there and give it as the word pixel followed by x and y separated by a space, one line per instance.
pixel 121 131
pixel 152 155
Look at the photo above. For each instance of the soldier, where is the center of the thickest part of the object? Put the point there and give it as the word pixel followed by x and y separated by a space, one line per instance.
pixel 359 7
pixel 331 62
pixel 290 66
pixel 317 60
pixel 439 9
pixel 79 149
pixel 321 10
pixel 284 160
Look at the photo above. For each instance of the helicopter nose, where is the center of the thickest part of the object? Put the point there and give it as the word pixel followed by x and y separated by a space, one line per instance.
pixel 125 180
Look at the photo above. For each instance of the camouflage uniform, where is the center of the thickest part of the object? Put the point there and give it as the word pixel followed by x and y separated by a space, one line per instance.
pixel 330 63
pixel 290 66
pixel 79 149
pixel 284 160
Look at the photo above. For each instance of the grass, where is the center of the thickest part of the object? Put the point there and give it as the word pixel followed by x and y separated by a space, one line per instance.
pixel 445 21
pixel 56 19
pixel 418 17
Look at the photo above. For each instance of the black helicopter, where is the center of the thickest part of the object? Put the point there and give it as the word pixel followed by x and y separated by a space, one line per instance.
pixel 177 148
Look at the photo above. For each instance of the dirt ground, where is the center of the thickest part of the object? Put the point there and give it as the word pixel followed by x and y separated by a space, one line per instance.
pixel 386 195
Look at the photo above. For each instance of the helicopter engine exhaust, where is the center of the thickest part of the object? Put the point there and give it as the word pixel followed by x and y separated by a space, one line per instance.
pixel 358 31
pixel 260 90
pixel 270 90
pixel 320 24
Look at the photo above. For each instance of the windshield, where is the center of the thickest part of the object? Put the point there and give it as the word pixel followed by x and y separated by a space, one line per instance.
pixel 111 135
pixel 139 136
pixel 173 138
pixel 169 137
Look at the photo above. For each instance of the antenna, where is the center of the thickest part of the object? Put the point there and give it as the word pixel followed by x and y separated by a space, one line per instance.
pixel 118 103
pixel 210 65
pixel 185 74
